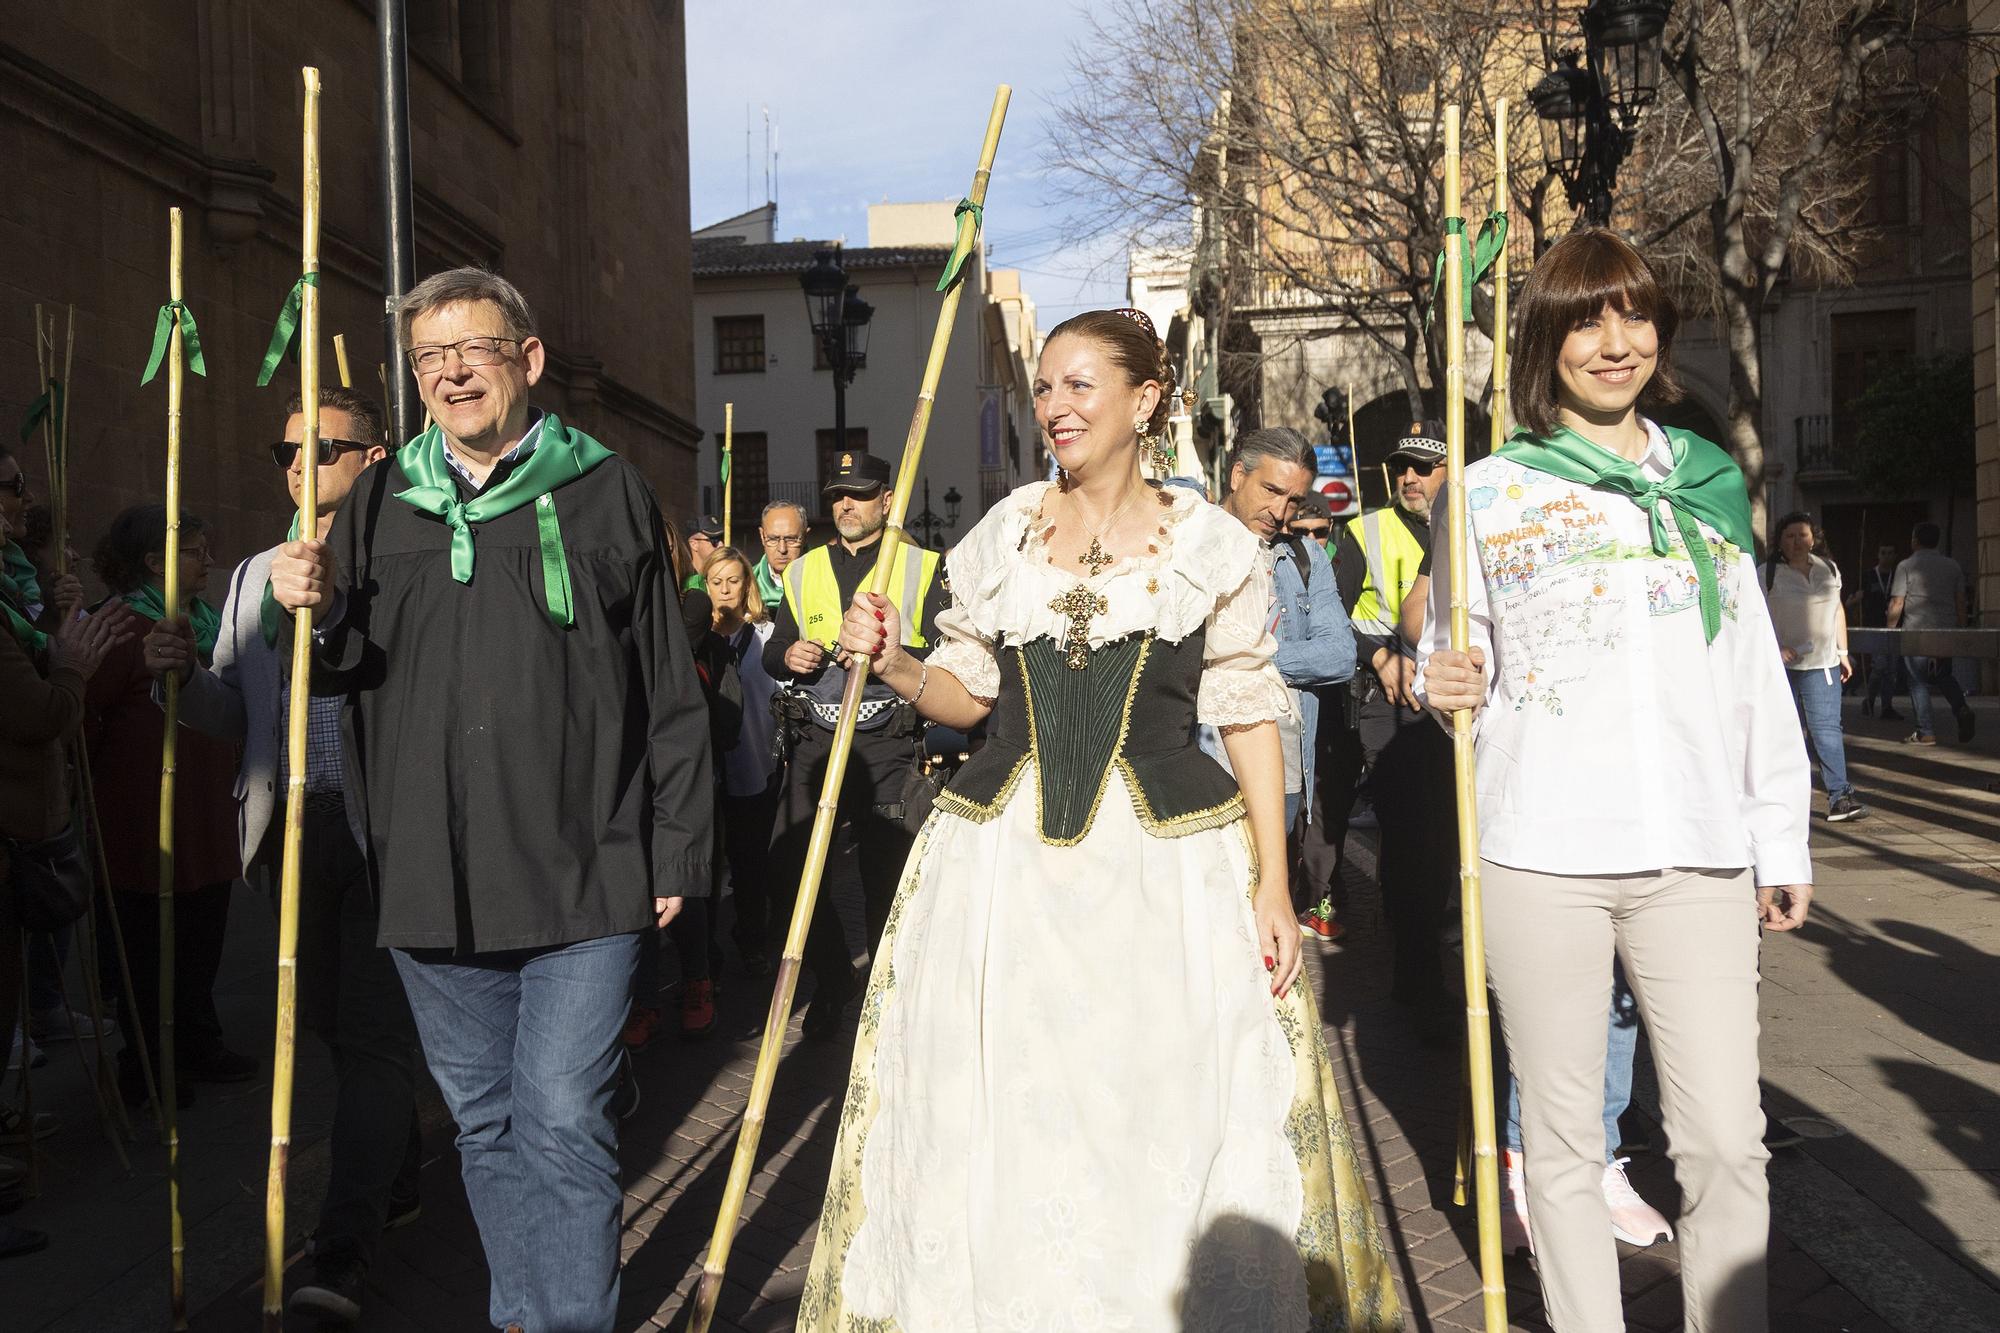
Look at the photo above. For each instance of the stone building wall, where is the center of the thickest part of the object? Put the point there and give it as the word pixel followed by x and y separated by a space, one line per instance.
pixel 548 142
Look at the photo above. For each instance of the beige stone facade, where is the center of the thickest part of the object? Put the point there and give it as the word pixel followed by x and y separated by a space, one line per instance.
pixel 549 142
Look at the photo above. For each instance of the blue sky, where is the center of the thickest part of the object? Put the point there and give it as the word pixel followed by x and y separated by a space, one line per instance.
pixel 880 100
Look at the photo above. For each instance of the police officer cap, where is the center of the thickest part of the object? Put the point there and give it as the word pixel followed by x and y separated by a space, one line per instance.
pixel 1423 444
pixel 706 525
pixel 856 472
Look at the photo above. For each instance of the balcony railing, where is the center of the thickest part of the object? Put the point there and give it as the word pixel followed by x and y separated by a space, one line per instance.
pixel 1817 452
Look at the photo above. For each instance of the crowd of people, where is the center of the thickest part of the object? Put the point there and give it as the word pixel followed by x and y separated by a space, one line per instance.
pixel 554 734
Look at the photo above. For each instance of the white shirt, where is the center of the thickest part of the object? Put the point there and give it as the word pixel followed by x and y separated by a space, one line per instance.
pixel 1615 739
pixel 1805 613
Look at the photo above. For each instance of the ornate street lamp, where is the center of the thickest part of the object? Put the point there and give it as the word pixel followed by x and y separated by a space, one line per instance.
pixel 839 319
pixel 1589 119
pixel 1623 40
pixel 929 526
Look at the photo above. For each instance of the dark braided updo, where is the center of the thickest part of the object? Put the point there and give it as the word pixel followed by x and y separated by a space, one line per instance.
pixel 1136 349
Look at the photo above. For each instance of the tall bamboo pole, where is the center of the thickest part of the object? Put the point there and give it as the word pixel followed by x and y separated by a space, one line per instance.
pixel 340 360
pixel 59 473
pixel 295 772
pixel 1478 1034
pixel 728 472
pixel 1498 396
pixel 743 1163
pixel 172 603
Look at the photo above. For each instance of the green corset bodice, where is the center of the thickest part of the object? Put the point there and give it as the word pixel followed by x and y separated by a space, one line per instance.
pixel 1132 705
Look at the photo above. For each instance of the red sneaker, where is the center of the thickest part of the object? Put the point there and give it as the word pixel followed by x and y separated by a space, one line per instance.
pixel 1315 926
pixel 697 1010
pixel 639 1028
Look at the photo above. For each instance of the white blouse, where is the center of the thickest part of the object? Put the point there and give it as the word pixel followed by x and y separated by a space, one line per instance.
pixel 1615 739
pixel 1805 612
pixel 1204 572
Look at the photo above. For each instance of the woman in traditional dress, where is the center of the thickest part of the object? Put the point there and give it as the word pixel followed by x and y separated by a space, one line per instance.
pixel 1642 785
pixel 1090 1089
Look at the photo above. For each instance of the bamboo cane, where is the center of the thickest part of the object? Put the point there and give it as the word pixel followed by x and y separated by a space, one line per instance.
pixel 728 471
pixel 1478 1034
pixel 59 473
pixel 29 1142
pixel 135 1028
pixel 45 370
pixel 295 775
pixel 340 360
pixel 1388 486
pixel 1353 441
pixel 743 1163
pixel 172 603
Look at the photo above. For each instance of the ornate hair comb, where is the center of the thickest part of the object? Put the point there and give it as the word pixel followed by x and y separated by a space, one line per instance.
pixel 1140 318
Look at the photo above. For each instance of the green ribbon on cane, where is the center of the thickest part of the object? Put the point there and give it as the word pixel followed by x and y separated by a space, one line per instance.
pixel 561 455
pixel 50 403
pixel 971 217
pixel 1479 254
pixel 175 314
pixel 1705 484
pixel 286 329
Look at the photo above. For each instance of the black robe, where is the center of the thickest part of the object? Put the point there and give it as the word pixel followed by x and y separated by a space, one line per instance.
pixel 524 785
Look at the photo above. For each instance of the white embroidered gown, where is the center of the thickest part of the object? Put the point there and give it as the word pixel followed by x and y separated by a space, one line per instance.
pixel 1074 1103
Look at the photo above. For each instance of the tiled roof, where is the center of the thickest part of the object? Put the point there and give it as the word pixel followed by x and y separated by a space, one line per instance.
pixel 724 257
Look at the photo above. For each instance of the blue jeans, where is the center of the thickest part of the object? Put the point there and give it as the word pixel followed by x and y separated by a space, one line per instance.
pixel 525 1048
pixel 1883 685
pixel 1619 1049
pixel 1927 674
pixel 1817 694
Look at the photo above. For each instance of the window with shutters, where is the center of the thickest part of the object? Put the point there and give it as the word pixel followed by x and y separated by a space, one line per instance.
pixel 739 344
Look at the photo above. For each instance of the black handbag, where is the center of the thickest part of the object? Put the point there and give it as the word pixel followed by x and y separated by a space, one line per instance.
pixel 48 881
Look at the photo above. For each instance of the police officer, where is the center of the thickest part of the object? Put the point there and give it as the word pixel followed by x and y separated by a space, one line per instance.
pixel 818 587
pixel 1406 756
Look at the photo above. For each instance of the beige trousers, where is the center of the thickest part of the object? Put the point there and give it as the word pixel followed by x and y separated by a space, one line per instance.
pixel 1688 939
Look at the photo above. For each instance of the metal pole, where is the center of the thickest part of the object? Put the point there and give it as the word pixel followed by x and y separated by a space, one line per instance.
pixel 838 355
pixel 398 240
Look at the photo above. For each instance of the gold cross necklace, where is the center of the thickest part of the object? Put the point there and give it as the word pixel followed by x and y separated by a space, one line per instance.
pixel 1095 558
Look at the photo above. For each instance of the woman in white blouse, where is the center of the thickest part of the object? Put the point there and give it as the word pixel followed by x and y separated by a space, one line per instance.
pixel 1642 785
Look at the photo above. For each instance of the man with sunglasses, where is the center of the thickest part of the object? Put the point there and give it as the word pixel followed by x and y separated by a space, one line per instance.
pixel 349 994
pixel 496 604
pixel 1406 759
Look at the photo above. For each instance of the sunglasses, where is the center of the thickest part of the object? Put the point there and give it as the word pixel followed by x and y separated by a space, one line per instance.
pixel 284 451
pixel 1317 532
pixel 1402 465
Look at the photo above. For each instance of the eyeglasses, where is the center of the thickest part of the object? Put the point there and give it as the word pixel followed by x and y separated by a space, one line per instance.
pixel 428 359
pixel 785 541
pixel 1403 465
pixel 18 483
pixel 284 451
pixel 1317 532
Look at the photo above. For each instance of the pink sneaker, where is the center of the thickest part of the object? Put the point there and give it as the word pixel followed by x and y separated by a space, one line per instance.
pixel 1515 1237
pixel 1633 1220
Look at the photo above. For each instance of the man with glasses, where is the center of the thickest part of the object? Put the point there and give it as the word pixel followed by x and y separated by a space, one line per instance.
pixel 782 529
pixel 496 604
pixel 348 992
pixel 800 656
pixel 1406 758
pixel 1312 522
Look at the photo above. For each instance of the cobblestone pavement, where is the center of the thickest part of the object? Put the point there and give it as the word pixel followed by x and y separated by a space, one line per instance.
pixel 1880 1039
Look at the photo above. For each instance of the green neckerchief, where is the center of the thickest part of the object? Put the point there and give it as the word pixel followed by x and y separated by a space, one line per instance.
pixel 770 587
pixel 22 629
pixel 1705 484
pixel 271 616
pixel 18 579
pixel 561 455
pixel 207 621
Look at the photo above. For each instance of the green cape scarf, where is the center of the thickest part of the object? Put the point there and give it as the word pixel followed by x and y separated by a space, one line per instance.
pixel 561 456
pixel 207 621
pixel 1705 484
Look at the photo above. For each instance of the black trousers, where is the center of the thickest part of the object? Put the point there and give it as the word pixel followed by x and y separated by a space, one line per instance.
pixel 1402 761
pixel 200 919
pixel 876 770
pixel 351 997
pixel 746 838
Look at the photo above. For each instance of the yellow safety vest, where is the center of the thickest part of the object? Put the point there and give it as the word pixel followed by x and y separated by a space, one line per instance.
pixel 1393 554
pixel 813 594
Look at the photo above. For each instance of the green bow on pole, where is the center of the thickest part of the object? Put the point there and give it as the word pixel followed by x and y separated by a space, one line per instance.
pixel 1479 254
pixel 173 314
pixel 971 217
pixel 287 327
pixel 49 405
